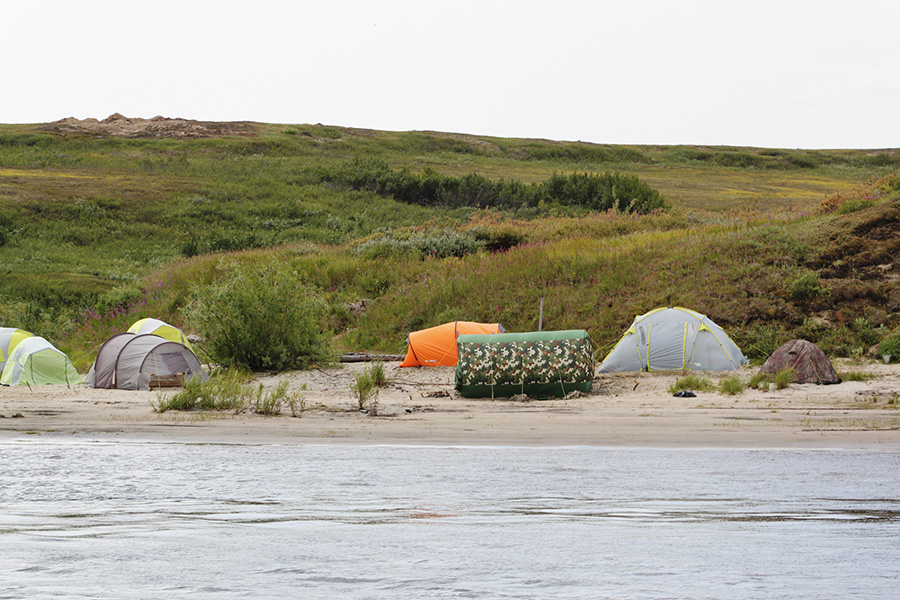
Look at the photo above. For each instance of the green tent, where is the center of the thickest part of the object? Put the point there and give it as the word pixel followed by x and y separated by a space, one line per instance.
pixel 36 361
pixel 9 339
pixel 540 364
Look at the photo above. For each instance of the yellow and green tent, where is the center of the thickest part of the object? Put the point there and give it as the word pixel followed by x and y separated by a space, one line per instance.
pixel 35 361
pixel 9 339
pixel 673 339
pixel 162 329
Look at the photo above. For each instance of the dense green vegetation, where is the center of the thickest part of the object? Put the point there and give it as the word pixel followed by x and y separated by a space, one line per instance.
pixel 621 193
pixel 96 232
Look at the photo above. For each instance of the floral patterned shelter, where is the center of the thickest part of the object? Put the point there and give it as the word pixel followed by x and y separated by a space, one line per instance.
pixel 809 363
pixel 540 364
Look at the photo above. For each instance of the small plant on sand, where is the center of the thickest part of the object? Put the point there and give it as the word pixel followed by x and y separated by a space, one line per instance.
pixel 692 383
pixel 731 386
pixel 784 378
pixel 271 403
pixel 364 391
pixel 379 377
pixel 224 390
pixel 760 381
pixel 856 376
pixel 297 402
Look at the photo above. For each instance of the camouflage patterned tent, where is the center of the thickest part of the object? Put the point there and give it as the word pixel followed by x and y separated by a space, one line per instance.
pixel 540 364
pixel 808 361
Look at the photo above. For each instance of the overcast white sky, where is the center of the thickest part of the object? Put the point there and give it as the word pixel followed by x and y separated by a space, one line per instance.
pixel 771 73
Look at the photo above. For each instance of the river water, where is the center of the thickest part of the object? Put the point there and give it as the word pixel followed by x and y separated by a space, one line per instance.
pixel 95 519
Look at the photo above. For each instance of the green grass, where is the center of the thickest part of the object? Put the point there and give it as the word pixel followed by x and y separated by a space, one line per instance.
pixel 229 390
pixel 97 233
pixel 784 378
pixel 856 376
pixel 731 386
pixel 694 383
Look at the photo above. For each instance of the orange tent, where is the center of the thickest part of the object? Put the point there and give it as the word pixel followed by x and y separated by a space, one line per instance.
pixel 436 346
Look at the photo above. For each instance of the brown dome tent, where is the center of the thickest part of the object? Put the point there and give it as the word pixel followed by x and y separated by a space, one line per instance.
pixel 808 361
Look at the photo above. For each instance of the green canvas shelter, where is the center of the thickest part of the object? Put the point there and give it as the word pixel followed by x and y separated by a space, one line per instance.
pixel 540 364
pixel 35 361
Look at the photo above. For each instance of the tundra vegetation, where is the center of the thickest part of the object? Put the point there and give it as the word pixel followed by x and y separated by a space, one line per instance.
pixel 332 239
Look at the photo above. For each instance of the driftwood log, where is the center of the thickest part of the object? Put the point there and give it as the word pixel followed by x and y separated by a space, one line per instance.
pixel 354 357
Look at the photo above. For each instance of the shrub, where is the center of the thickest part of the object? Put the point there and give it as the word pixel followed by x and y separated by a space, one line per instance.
pixel 622 193
pixel 272 402
pixel 784 378
pixel 364 390
pixel 379 377
pixel 891 345
pixel 805 286
pixel 855 376
pixel 436 243
pixel 224 390
pixel 261 317
pixel 731 385
pixel 738 159
pixel 760 381
pixel 692 382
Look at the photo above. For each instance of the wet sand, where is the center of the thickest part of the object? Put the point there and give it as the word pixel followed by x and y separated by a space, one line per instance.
pixel 420 407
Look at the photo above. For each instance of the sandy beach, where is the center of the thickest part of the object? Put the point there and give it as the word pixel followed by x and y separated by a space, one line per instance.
pixel 421 407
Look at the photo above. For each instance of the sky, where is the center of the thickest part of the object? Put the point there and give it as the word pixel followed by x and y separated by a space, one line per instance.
pixel 776 74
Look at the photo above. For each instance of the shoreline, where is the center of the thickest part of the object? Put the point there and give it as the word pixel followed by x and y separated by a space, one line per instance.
pixel 420 408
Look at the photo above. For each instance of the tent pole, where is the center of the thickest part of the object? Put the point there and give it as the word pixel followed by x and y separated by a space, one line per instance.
pixel 541 316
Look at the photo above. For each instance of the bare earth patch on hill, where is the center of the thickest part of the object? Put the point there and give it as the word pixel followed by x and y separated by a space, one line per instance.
pixel 117 125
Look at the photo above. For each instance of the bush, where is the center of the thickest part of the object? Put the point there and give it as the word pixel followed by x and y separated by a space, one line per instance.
pixel 731 386
pixel 622 193
pixel 805 286
pixel 364 390
pixel 855 376
pixel 435 243
pixel 691 383
pixel 891 345
pixel 225 390
pixel 261 317
pixel 760 381
pixel 784 378
pixel 272 402
pixel 379 377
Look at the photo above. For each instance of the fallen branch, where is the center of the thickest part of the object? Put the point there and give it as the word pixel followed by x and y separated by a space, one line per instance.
pixel 355 357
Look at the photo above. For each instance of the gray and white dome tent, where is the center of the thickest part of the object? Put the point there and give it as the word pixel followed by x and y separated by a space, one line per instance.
pixel 673 339
pixel 129 362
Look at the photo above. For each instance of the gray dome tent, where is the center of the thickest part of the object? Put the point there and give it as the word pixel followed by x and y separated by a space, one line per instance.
pixel 129 362
pixel 673 339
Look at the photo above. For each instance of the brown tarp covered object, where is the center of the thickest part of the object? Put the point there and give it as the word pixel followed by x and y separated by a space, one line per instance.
pixel 808 361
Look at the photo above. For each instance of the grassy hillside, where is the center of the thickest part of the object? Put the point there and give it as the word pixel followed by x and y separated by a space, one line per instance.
pixel 97 231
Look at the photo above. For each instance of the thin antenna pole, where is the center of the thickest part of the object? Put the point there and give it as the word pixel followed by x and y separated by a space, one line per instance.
pixel 541 316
